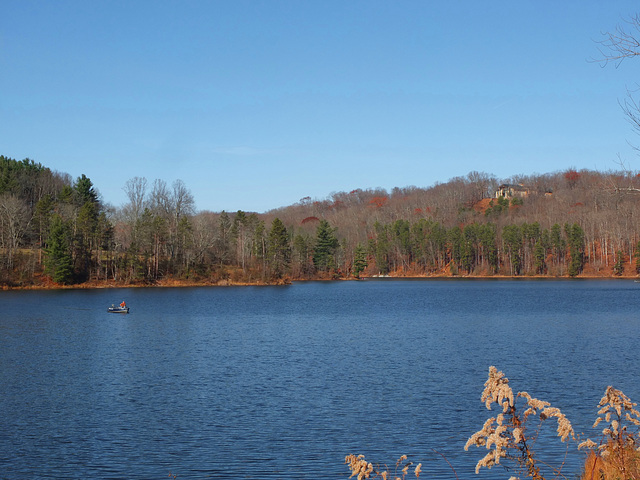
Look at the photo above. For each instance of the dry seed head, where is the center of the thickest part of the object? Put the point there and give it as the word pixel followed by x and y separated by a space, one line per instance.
pixel 517 435
pixel 614 401
pixel 480 437
pixel 490 459
pixel 497 439
pixel 496 389
pixel 359 466
pixel 632 420
pixel 524 395
pixel 617 400
pixel 565 429
pixel 614 426
pixel 537 404
pixel 418 470
pixel 564 425
pixel 588 443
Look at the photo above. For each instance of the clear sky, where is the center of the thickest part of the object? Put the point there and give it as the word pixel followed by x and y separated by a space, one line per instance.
pixel 257 104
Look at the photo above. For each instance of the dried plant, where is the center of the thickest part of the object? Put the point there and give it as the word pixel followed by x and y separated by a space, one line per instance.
pixel 617 455
pixel 363 470
pixel 507 436
pixel 510 436
pixel 359 466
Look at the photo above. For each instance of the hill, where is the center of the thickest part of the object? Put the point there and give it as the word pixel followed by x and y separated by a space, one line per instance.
pixel 56 231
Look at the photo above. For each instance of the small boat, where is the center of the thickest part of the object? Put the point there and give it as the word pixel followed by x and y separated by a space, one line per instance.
pixel 118 309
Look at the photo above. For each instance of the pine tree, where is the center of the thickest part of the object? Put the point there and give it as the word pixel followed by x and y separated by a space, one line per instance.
pixel 540 255
pixel 381 247
pixel 301 250
pixel 618 268
pixel 512 238
pixel 223 242
pixel 84 191
pixel 59 263
pixel 279 250
pixel 359 260
pixel 575 237
pixel 326 245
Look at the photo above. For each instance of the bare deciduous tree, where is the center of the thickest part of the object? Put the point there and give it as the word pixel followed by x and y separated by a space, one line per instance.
pixel 618 45
pixel 136 190
pixel 621 43
pixel 183 203
pixel 14 222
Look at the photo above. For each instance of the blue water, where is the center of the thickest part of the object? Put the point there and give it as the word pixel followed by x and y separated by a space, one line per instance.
pixel 283 382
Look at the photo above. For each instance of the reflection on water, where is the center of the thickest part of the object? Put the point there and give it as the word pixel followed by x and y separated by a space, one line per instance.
pixel 283 382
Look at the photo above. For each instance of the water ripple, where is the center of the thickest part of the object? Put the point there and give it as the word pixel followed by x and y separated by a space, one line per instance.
pixel 284 382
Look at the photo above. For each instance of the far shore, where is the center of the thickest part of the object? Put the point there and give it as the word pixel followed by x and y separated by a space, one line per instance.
pixel 177 283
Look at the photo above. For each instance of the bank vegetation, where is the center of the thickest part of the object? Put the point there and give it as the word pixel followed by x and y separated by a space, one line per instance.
pixel 56 230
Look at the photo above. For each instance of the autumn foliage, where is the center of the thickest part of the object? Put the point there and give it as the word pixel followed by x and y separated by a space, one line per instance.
pixel 571 223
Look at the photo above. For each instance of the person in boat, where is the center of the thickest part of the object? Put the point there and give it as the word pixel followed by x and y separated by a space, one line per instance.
pixel 123 305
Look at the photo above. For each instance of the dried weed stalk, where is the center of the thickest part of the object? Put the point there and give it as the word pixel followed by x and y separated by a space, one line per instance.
pixel 618 455
pixel 363 470
pixel 507 436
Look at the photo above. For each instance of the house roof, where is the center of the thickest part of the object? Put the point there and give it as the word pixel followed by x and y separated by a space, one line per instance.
pixel 513 186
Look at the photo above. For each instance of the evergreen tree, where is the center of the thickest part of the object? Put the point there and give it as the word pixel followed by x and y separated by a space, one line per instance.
pixel 454 239
pixel 42 217
pixel 66 194
pixel 279 251
pixel 325 248
pixel 618 267
pixel 86 238
pixel 402 239
pixel 239 231
pixel 223 242
pixel 512 238
pixel 59 262
pixel 575 238
pixel 260 246
pixel 184 242
pixel 469 247
pixel 487 234
pixel 558 243
pixel 540 255
pixel 359 260
pixel 380 247
pixel 84 191
pixel 301 254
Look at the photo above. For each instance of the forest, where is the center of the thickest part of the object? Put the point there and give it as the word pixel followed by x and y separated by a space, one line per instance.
pixel 57 231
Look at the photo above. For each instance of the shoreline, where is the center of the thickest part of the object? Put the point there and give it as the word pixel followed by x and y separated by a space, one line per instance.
pixel 175 283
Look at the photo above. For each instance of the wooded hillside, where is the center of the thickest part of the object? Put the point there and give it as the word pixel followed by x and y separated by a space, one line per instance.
pixel 55 230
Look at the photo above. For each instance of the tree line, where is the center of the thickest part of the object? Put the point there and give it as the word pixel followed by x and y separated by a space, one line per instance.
pixel 55 228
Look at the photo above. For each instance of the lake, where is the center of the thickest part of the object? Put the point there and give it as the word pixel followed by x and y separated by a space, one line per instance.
pixel 283 382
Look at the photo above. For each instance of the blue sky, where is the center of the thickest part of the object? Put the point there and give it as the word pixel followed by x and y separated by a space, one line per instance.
pixel 257 104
